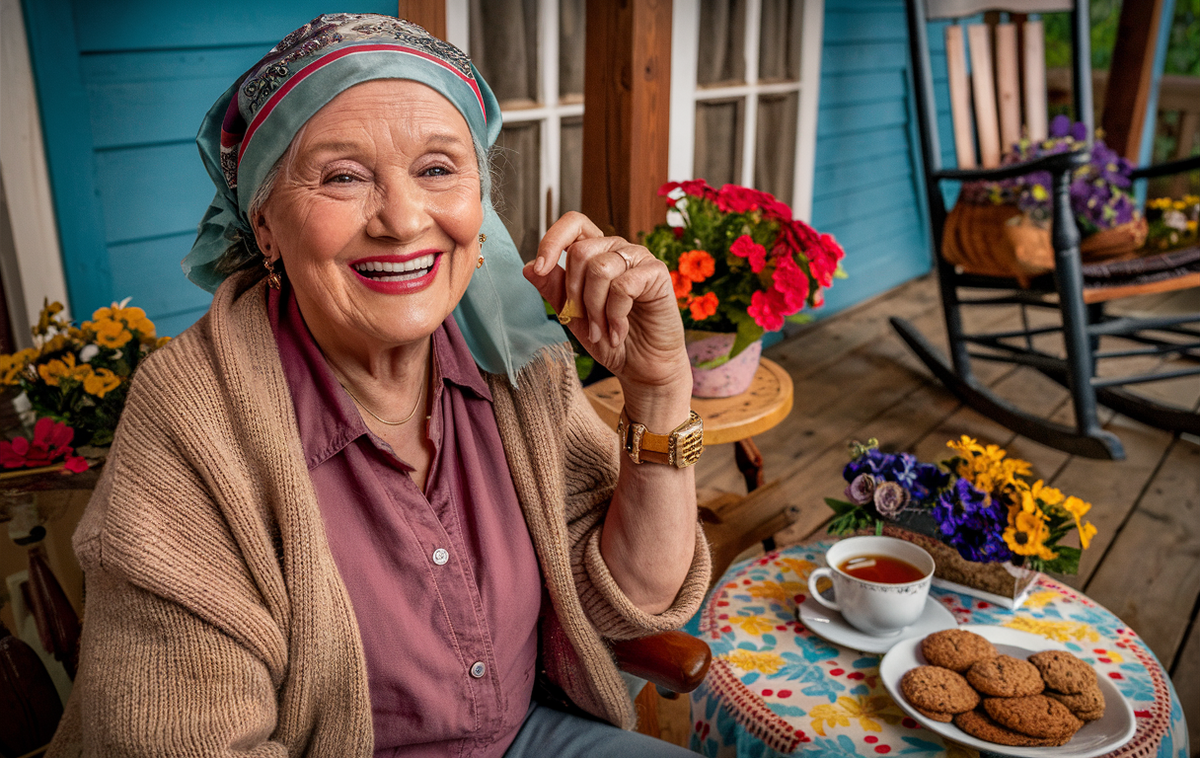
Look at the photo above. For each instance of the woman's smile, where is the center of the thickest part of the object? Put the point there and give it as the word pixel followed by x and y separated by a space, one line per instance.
pixel 398 274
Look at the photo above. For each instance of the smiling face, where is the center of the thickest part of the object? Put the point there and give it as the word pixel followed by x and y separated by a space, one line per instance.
pixel 376 216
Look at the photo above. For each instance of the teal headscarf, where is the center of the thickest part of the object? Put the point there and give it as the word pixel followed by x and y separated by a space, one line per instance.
pixel 253 123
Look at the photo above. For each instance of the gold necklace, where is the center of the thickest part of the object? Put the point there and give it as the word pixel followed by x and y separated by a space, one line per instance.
pixel 405 420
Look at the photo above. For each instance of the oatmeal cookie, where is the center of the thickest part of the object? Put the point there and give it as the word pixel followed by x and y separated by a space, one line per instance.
pixel 945 718
pixel 1063 672
pixel 1005 676
pixel 1086 706
pixel 956 649
pixel 979 724
pixel 932 688
pixel 1035 715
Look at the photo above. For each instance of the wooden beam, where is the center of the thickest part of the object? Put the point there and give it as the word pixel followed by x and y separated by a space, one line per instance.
pixel 430 14
pixel 626 118
pixel 1131 75
pixel 960 97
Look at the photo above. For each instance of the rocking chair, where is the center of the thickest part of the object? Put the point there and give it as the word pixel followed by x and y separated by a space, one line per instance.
pixel 1077 291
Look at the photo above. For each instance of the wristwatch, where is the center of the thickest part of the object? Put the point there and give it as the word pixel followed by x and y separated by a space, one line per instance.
pixel 681 448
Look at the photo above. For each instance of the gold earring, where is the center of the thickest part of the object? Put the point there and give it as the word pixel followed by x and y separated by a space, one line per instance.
pixel 482 239
pixel 273 280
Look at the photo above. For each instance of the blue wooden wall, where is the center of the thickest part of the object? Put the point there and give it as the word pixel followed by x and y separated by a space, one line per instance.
pixel 123 85
pixel 866 185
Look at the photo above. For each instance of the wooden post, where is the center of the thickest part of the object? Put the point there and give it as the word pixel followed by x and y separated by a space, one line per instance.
pixel 1130 77
pixel 627 92
pixel 430 14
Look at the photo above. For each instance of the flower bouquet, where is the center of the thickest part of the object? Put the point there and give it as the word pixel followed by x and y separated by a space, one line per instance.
pixel 1003 227
pixel 989 529
pixel 79 376
pixel 740 264
pixel 1172 222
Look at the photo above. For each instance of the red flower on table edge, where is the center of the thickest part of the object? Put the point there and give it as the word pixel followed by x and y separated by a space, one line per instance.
pixel 50 443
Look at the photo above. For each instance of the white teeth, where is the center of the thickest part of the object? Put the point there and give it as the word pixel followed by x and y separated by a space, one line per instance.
pixel 416 264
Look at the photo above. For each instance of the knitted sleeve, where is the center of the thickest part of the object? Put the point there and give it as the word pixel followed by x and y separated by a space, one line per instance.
pixel 177 657
pixel 592 465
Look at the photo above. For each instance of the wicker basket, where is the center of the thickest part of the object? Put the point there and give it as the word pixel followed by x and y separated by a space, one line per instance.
pixel 1000 240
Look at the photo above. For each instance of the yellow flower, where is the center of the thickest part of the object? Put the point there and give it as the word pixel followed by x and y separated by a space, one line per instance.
pixel 1027 533
pixel 161 341
pixel 46 317
pixel 780 593
pixel 1047 495
pixel 756 625
pixel 101 383
pixel 861 708
pixel 751 660
pixel 134 319
pixel 801 568
pixel 11 366
pixel 54 371
pixel 109 332
pixel 1063 631
pixel 1078 508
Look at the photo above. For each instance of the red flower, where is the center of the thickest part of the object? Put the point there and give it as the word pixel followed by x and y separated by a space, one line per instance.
pixel 697 265
pixel 681 284
pixel 50 442
pixel 693 187
pixel 791 281
pixel 704 306
pixel 733 198
pixel 745 247
pixel 823 259
pixel 767 309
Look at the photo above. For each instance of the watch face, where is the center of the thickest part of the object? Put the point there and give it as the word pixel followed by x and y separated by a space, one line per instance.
pixel 688 443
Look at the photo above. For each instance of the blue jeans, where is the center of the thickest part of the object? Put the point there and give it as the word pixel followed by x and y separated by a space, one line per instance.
pixel 547 732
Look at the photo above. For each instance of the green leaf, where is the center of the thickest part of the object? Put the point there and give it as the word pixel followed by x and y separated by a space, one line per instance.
pixel 800 318
pixel 747 334
pixel 839 506
pixel 1067 561
pixel 840 273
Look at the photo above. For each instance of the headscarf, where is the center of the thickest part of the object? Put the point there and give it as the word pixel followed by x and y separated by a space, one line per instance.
pixel 253 123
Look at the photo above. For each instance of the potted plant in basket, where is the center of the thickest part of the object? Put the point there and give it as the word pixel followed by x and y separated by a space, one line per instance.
pixel 740 266
pixel 76 379
pixel 988 527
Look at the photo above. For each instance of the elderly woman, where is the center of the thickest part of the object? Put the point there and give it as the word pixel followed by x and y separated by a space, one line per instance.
pixel 363 505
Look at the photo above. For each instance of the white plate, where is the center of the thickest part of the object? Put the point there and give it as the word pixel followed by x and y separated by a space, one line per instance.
pixel 829 624
pixel 1095 738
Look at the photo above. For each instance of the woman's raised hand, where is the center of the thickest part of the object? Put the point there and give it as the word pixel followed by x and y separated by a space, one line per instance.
pixel 629 319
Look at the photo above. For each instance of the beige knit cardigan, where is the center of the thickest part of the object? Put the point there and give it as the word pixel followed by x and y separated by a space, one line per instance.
pixel 217 623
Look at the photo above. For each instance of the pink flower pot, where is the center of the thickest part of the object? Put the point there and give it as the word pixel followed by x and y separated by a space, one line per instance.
pixel 728 379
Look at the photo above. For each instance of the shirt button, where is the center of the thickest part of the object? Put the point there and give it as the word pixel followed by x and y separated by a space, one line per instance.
pixel 440 556
pixel 478 669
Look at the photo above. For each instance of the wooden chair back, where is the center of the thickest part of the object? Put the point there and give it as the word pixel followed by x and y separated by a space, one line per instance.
pixel 996 74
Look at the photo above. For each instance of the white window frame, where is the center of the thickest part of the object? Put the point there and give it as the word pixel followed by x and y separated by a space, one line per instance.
pixel 549 114
pixel 685 94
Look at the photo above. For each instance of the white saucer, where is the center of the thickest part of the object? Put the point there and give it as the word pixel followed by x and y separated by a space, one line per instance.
pixel 829 624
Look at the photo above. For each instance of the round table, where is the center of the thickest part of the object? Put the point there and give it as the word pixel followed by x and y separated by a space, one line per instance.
pixel 776 689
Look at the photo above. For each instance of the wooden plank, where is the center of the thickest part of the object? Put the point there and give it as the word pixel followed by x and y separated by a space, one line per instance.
pixel 1185 674
pixel 1008 86
pixel 881 197
pixel 149 272
pixel 627 82
pixel 430 14
pixel 1131 75
pixel 868 87
pixel 1162 541
pixel 960 108
pixel 847 177
pixel 860 147
pixel 151 191
pixel 983 92
pixel 1033 66
pixel 860 117
pixel 862 56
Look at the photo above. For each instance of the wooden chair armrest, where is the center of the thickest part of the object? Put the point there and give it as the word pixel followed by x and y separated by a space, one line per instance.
pixel 1167 168
pixel 675 661
pixel 1057 163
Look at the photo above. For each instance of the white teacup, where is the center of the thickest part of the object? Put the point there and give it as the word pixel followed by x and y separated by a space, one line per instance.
pixel 873 607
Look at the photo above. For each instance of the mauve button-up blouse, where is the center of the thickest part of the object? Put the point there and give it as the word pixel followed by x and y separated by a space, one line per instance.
pixel 444 583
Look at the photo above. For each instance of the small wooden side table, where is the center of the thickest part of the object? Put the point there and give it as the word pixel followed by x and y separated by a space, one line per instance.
pixel 730 419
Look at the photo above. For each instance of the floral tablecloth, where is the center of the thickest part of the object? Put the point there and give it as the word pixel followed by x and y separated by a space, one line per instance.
pixel 777 689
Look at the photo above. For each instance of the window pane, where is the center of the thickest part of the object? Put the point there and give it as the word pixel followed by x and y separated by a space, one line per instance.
pixel 718 155
pixel 779 45
pixel 722 58
pixel 517 188
pixel 775 150
pixel 504 47
pixel 570 167
pixel 571 38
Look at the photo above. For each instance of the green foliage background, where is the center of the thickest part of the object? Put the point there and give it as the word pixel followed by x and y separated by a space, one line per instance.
pixel 1183 52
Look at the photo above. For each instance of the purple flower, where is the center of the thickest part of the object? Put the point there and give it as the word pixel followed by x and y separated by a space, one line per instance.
pixel 1060 126
pixel 973 523
pixel 862 490
pixel 1079 131
pixel 890 499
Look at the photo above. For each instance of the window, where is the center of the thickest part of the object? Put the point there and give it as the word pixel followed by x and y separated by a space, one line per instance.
pixel 744 94
pixel 531 52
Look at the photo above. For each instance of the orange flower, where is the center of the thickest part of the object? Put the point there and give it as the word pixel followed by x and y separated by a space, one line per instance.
pixel 697 265
pixel 681 284
pixel 704 306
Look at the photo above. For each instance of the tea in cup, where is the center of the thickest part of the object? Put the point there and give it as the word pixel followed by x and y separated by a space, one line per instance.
pixel 879 583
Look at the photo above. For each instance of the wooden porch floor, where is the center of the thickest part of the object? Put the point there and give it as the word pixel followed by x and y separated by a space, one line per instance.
pixel 854 379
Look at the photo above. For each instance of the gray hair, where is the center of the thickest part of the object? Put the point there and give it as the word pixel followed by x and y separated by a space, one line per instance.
pixel 243 251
